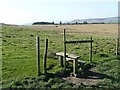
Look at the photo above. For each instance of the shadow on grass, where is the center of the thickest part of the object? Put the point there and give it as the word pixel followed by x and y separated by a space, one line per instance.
pixel 85 73
pixel 50 67
pixel 93 75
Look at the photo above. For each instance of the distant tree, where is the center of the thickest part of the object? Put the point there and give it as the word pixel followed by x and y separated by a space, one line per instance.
pixel 103 23
pixel 85 22
pixel 42 23
pixel 76 22
pixel 35 23
pixel 68 23
pixel 53 22
pixel 60 22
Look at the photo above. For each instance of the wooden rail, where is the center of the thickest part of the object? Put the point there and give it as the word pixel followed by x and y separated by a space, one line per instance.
pixel 80 41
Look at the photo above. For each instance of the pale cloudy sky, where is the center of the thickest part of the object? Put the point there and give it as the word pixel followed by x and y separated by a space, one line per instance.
pixel 28 11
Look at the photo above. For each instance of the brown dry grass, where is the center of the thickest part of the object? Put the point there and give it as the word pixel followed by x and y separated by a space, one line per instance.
pixel 110 30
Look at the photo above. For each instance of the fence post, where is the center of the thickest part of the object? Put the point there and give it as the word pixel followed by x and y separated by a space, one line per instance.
pixel 64 50
pixel 38 54
pixel 45 56
pixel 91 50
pixel 119 48
pixel 75 67
pixel 117 42
pixel 61 61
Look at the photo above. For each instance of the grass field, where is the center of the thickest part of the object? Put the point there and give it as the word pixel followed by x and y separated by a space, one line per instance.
pixel 19 53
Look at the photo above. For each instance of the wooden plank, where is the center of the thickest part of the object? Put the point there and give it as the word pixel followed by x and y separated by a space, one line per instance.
pixel 45 56
pixel 80 41
pixel 60 53
pixel 69 59
pixel 38 54
pixel 68 55
pixel 81 61
pixel 73 56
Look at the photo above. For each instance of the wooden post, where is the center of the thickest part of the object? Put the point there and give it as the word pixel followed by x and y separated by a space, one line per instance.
pixel 61 61
pixel 64 50
pixel 91 50
pixel 45 56
pixel 119 48
pixel 117 42
pixel 75 67
pixel 38 54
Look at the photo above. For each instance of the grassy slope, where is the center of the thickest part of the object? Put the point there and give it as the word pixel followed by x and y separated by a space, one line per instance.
pixel 19 54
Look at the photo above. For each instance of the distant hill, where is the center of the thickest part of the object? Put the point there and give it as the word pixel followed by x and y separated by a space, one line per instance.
pixel 4 24
pixel 97 20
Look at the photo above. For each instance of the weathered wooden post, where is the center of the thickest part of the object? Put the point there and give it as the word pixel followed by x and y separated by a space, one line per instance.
pixel 91 50
pixel 61 61
pixel 64 50
pixel 119 48
pixel 38 54
pixel 75 67
pixel 117 40
pixel 45 56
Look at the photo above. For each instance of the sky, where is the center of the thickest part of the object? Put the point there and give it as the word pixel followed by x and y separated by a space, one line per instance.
pixel 29 11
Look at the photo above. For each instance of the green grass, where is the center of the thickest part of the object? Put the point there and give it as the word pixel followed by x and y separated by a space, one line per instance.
pixel 19 53
pixel 111 80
